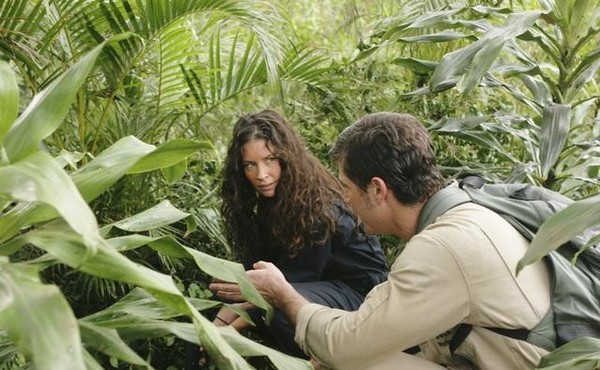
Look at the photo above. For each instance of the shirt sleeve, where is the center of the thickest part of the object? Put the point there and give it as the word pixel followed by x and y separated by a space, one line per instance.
pixel 425 295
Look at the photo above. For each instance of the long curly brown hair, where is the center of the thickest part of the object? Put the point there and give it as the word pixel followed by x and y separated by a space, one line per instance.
pixel 303 199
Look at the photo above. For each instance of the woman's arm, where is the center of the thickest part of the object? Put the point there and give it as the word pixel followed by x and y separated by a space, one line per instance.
pixel 227 316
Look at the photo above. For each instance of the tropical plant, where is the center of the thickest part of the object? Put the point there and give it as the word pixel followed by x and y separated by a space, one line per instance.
pixel 545 59
pixel 183 65
pixel 44 206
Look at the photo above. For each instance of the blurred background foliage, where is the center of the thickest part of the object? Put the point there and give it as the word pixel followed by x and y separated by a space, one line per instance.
pixel 522 106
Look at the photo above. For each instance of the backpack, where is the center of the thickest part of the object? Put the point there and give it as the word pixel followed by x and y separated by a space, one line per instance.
pixel 575 298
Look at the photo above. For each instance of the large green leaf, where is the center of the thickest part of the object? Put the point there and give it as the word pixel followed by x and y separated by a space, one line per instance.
pixel 9 99
pixel 562 227
pixel 580 354
pixel 67 247
pixel 169 154
pixel 39 319
pixel 48 109
pixel 160 215
pixel 473 61
pixel 216 267
pixel 91 180
pixel 139 315
pixel 553 135
pixel 108 342
pixel 38 178
pixel 109 166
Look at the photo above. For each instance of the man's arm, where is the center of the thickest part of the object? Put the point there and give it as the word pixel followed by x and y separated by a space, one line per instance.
pixel 271 284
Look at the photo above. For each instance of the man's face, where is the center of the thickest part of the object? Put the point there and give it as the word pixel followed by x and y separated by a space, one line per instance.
pixel 360 202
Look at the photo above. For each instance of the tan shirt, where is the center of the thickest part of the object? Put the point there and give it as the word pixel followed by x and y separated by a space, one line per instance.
pixel 459 269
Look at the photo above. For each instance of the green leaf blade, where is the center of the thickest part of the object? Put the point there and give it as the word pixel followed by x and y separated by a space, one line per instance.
pixel 9 99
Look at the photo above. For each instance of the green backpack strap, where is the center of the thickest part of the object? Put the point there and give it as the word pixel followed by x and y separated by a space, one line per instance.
pixel 442 201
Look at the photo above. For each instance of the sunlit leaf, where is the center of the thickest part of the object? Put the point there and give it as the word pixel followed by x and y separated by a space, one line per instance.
pixel 51 335
pixel 475 59
pixel 109 166
pixel 160 215
pixel 48 109
pixel 216 267
pixel 38 178
pixel 9 99
pixel 562 227
pixel 169 154
pixel 68 248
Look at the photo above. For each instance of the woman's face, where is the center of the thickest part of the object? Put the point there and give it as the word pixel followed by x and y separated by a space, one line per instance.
pixel 261 167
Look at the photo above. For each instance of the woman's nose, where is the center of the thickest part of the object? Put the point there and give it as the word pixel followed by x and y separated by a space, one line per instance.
pixel 261 171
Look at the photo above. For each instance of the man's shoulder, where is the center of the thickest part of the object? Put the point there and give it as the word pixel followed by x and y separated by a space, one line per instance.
pixel 467 227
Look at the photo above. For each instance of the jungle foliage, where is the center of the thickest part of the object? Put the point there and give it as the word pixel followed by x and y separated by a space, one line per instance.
pixel 114 116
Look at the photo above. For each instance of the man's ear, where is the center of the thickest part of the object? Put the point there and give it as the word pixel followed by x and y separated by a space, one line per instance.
pixel 379 187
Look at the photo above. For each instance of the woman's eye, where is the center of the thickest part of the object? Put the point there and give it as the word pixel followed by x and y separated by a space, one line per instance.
pixel 249 166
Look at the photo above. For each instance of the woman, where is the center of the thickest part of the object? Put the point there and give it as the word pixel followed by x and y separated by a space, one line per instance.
pixel 280 204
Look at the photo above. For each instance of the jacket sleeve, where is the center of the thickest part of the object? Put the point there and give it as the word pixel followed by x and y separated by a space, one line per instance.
pixel 425 295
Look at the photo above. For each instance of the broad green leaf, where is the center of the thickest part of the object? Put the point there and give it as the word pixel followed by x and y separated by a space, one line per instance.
pixel 39 319
pixel 216 267
pixel 444 36
pixel 175 173
pixel 47 110
pixel 554 131
pixel 430 19
pixel 583 14
pixel 92 180
pixel 579 354
pixel 466 128
pixel 135 327
pixel 66 158
pixel 162 214
pixel 482 61
pixel 416 65
pixel 245 347
pixel 15 219
pixel 38 178
pixel 9 99
pixel 109 166
pixel 463 60
pixel 458 124
pixel 108 342
pixel 67 247
pixel 142 324
pixel 562 227
pixel 169 154
pixel 587 70
pixel 136 303
pixel 139 304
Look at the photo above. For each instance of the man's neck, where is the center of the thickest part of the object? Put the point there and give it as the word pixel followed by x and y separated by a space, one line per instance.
pixel 406 219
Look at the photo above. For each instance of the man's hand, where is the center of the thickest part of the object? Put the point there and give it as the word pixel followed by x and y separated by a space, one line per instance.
pixel 271 284
pixel 227 290
pixel 269 281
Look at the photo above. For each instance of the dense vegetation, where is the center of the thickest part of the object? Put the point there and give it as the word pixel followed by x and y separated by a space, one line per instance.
pixel 114 116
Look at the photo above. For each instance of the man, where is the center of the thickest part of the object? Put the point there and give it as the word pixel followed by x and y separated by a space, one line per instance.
pixel 459 269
